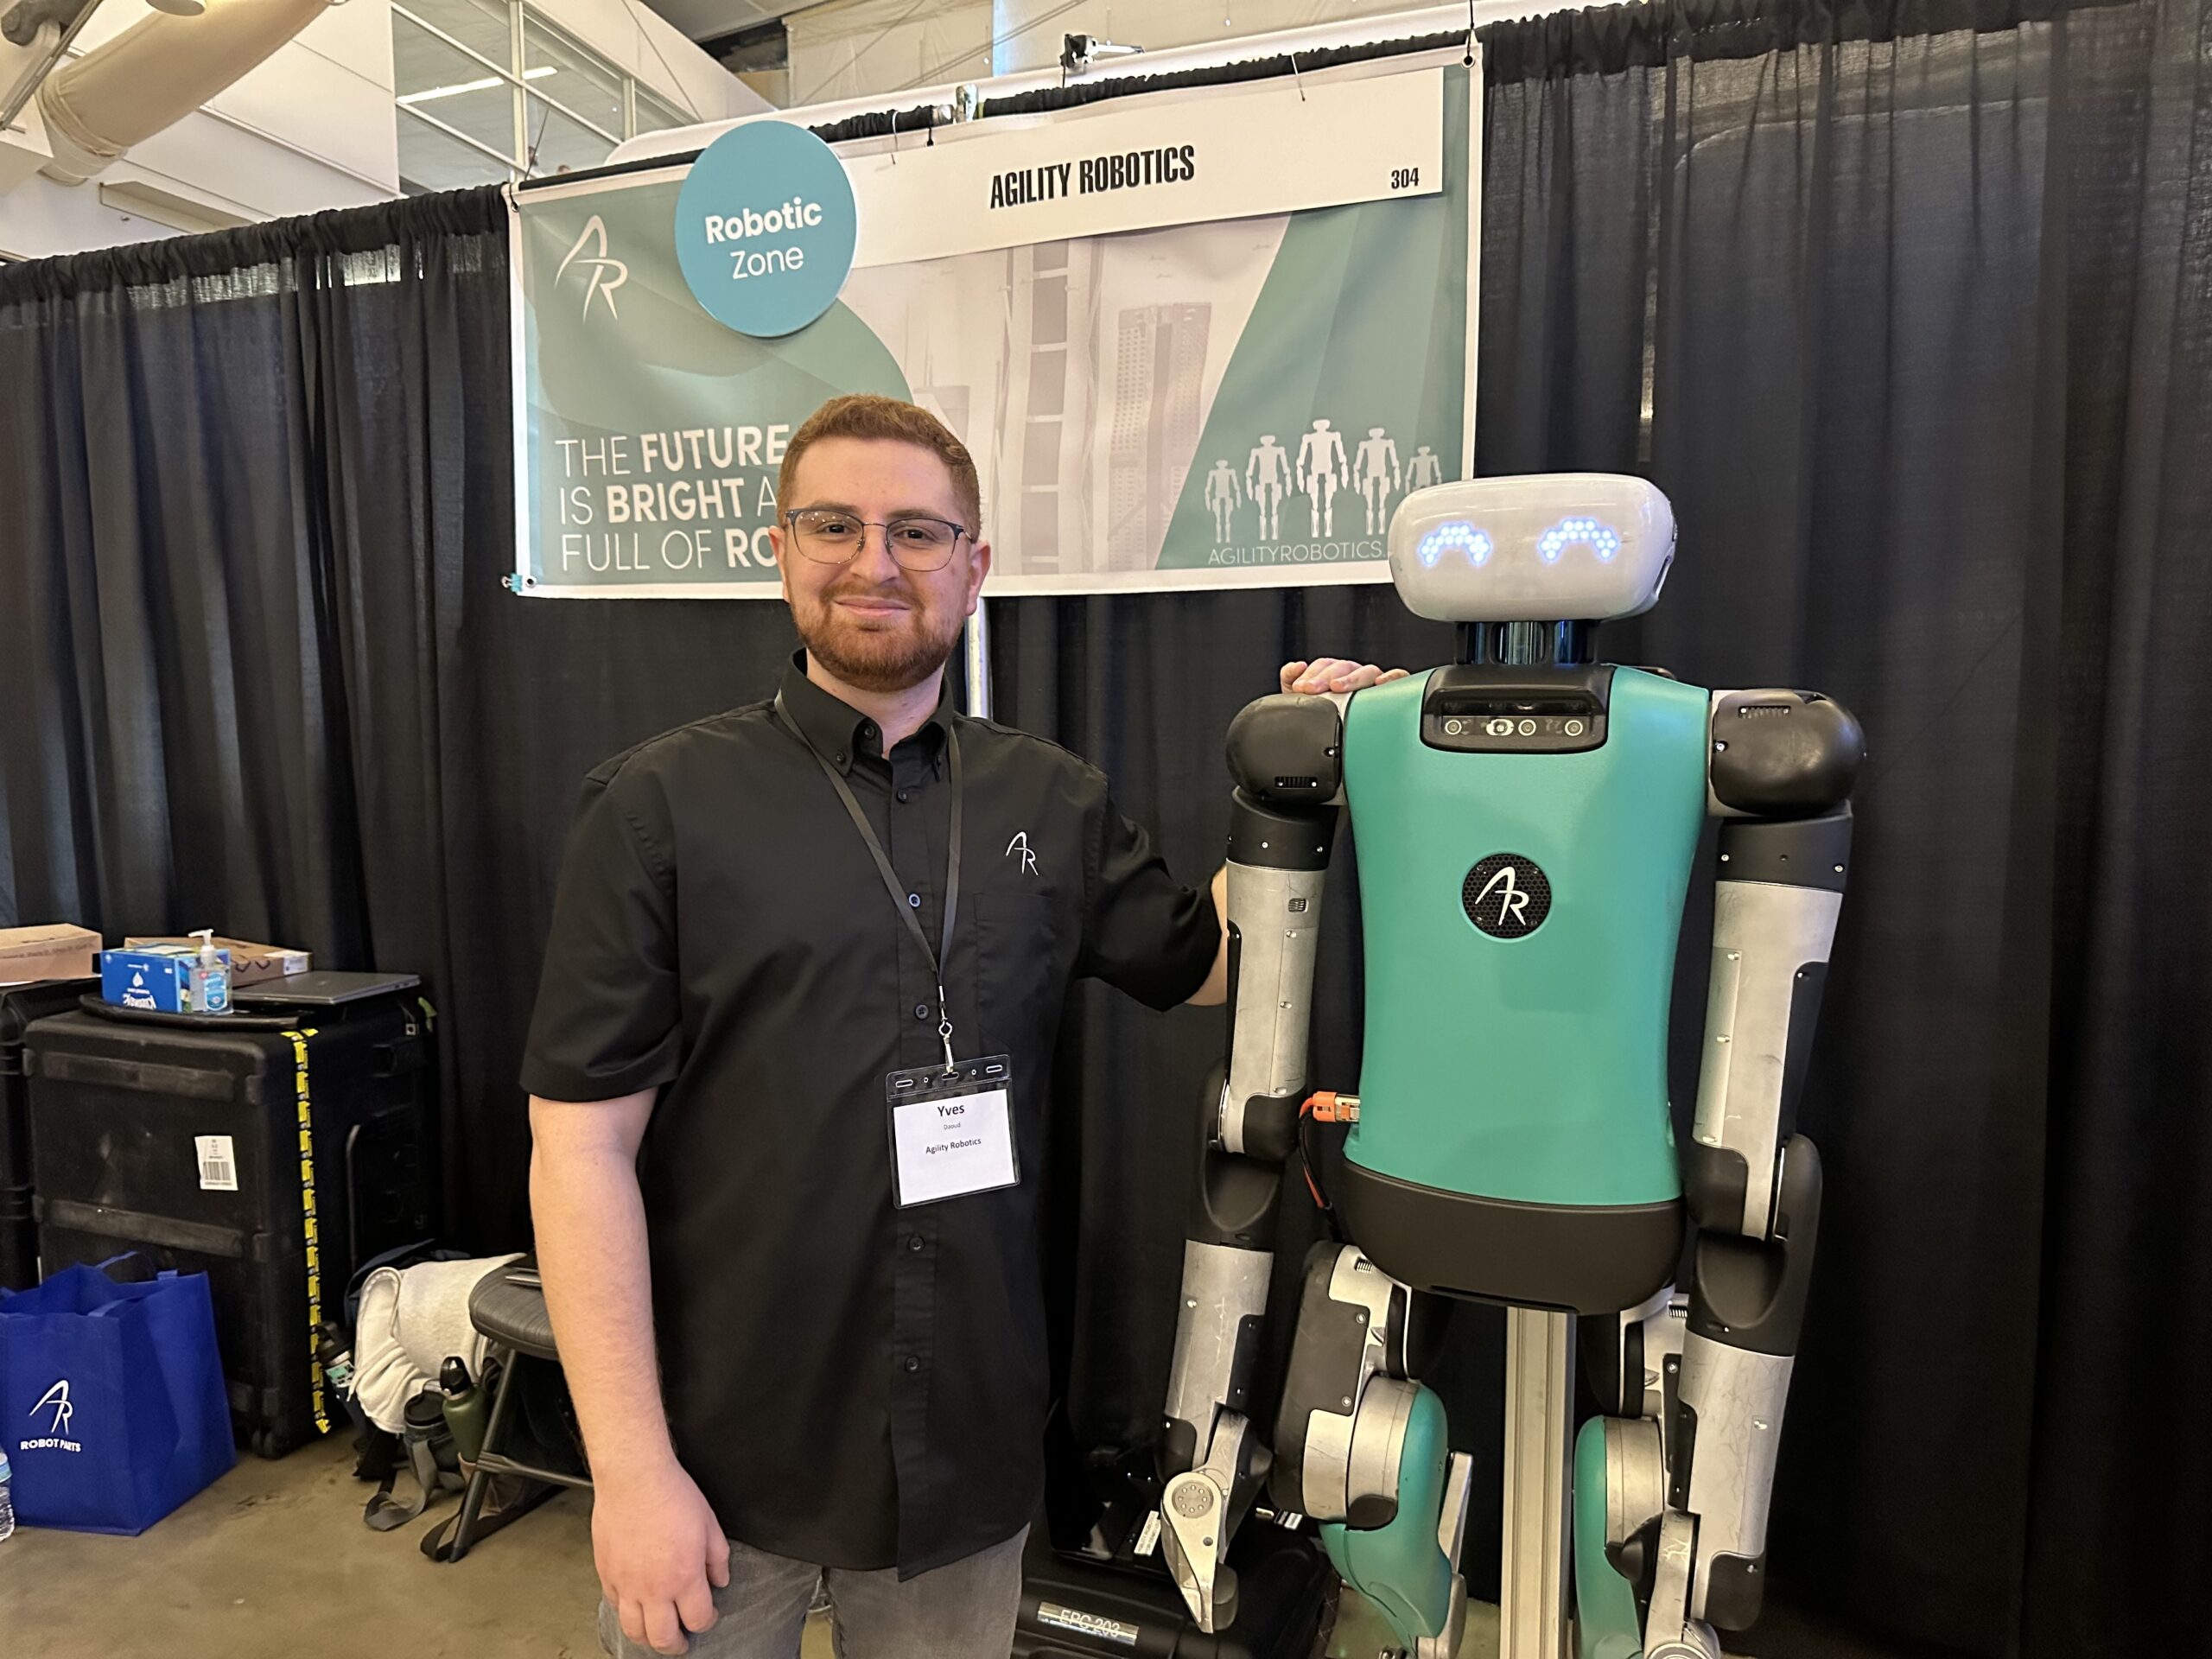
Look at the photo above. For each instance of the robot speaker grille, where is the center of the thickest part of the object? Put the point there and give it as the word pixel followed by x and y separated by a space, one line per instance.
pixel 1507 896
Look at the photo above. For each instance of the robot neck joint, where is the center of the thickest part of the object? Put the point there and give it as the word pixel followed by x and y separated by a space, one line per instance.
pixel 1528 645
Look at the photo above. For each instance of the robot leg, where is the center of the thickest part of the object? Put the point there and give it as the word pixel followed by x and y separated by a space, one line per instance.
pixel 1362 1448
pixel 1620 1473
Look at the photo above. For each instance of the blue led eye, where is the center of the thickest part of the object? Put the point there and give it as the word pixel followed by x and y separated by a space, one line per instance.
pixel 1457 534
pixel 1601 539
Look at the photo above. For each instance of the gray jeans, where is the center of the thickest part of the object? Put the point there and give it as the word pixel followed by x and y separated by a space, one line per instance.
pixel 962 1610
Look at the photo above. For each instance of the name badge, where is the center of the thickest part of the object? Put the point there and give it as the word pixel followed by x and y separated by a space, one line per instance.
pixel 951 1132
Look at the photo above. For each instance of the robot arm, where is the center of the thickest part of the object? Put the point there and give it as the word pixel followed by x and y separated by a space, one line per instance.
pixel 1284 753
pixel 1781 766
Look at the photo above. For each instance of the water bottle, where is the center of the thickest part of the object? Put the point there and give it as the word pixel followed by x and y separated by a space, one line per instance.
pixel 465 1408
pixel 7 1501
pixel 337 1361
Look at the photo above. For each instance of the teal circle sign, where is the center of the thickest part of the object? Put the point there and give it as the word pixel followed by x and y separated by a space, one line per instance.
pixel 765 228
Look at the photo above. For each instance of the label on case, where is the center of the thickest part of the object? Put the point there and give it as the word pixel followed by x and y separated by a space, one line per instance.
pixel 219 1169
pixel 1084 1624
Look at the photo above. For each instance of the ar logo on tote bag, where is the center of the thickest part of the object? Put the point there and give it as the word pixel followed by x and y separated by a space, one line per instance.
pixel 56 1399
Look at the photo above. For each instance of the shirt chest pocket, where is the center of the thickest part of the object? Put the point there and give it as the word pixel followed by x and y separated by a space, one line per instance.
pixel 1025 956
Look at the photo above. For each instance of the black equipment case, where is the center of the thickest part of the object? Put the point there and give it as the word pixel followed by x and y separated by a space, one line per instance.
pixel 19 1005
pixel 273 1148
pixel 1077 1607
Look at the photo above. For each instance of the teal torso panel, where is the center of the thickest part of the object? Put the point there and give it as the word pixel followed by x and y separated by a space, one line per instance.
pixel 1531 1069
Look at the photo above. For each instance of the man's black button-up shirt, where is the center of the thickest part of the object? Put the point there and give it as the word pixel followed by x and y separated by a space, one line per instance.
pixel 849 1382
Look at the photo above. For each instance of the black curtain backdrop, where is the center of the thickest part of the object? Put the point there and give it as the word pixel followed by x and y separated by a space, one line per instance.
pixel 1905 307
pixel 1909 308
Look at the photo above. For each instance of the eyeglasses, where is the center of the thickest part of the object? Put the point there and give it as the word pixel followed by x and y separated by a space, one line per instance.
pixel 917 542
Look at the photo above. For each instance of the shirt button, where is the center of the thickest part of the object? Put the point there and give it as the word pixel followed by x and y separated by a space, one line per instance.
pixel 914 900
pixel 902 797
pixel 914 1243
pixel 913 1363
pixel 921 1010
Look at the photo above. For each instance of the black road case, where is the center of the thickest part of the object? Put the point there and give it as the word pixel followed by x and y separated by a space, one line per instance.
pixel 1075 1607
pixel 272 1148
pixel 19 1005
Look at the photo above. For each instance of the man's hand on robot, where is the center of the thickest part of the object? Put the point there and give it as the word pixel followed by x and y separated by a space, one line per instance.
pixel 1325 674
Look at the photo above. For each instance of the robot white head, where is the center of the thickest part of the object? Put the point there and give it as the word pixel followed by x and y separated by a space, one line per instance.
pixel 1591 546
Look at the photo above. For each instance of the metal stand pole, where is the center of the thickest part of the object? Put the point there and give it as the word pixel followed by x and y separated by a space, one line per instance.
pixel 978 661
pixel 1539 1395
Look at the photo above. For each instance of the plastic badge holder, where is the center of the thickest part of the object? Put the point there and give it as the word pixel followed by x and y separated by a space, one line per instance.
pixel 953 1131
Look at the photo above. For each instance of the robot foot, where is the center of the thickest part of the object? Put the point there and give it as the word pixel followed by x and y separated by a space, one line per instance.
pixel 1445 1644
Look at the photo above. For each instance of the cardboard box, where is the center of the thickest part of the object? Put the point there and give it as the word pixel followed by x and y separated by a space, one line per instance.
pixel 59 952
pixel 151 976
pixel 249 962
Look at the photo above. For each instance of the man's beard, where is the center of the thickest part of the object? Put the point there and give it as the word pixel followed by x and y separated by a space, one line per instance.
pixel 892 654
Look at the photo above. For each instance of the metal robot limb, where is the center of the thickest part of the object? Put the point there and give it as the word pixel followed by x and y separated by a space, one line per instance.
pixel 1284 754
pixel 1781 769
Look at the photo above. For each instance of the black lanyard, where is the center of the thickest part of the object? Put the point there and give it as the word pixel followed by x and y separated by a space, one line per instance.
pixel 938 957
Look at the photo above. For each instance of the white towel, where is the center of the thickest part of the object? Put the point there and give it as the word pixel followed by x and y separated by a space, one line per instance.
pixel 411 1320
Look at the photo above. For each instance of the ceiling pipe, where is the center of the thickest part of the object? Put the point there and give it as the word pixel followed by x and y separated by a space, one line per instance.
pixel 155 73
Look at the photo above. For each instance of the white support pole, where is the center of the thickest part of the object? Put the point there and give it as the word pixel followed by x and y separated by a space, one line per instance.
pixel 978 660
pixel 1539 1395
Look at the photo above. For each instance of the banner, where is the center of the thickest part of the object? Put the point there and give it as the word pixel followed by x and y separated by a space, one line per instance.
pixel 1193 340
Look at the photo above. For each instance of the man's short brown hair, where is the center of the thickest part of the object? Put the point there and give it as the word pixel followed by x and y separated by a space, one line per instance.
pixel 864 415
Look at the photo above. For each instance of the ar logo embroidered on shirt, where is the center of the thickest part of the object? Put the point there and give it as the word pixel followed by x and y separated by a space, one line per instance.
pixel 1021 845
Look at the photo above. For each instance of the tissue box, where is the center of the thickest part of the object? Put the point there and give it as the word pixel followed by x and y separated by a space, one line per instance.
pixel 156 977
pixel 249 962
pixel 59 952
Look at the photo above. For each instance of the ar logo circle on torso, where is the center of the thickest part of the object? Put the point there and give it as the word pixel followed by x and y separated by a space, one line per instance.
pixel 1507 896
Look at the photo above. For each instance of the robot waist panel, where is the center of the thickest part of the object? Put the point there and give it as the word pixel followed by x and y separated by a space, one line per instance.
pixel 1592 1259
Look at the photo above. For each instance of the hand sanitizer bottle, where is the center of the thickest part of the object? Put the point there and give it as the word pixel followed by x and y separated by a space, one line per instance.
pixel 211 977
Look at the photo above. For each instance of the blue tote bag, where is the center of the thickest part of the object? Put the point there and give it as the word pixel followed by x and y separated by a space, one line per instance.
pixel 112 1409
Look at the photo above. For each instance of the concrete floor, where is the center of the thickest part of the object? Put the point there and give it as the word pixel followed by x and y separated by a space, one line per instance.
pixel 272 1562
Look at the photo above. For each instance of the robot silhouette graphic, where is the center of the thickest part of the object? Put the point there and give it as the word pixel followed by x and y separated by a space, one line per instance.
pixel 1424 469
pixel 1267 479
pixel 1321 474
pixel 1375 465
pixel 1224 494
pixel 1527 818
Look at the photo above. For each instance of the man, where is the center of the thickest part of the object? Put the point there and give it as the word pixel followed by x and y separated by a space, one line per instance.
pixel 786 1375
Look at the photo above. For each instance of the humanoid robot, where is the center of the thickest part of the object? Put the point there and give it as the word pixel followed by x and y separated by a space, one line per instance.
pixel 1267 476
pixel 1425 468
pixel 1321 473
pixel 1527 819
pixel 1375 464
pixel 1223 495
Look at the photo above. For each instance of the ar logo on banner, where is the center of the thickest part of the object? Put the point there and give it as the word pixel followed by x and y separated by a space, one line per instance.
pixel 766 227
pixel 601 286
